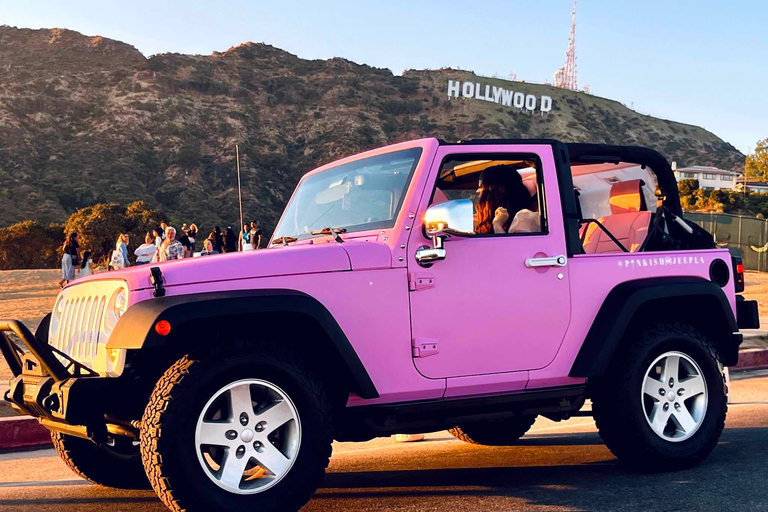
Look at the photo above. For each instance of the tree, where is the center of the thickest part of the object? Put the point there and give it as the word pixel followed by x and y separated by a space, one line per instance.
pixel 97 227
pixel 29 245
pixel 756 165
pixel 687 188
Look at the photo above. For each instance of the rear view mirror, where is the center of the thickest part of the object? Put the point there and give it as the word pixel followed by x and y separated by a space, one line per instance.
pixel 450 218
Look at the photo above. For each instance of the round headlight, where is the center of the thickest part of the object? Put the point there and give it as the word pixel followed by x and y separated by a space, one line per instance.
pixel 117 305
pixel 121 302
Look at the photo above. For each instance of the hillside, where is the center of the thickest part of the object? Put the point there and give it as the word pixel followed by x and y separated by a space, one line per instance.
pixel 89 119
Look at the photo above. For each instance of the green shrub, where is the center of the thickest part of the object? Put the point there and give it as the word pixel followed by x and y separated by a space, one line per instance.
pixel 28 245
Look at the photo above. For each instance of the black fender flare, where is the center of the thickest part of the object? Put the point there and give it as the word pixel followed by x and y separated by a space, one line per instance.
pixel 623 301
pixel 136 328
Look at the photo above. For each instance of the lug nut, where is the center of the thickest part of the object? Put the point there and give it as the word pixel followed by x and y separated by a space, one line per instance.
pixel 666 407
pixel 231 435
pixel 662 392
pixel 680 392
pixel 258 446
pixel 259 427
pixel 677 406
pixel 671 382
pixel 240 452
pixel 243 419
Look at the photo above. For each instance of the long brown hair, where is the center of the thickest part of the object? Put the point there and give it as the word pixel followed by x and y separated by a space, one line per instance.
pixel 502 187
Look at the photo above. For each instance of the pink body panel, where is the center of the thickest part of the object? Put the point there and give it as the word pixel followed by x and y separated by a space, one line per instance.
pixel 371 306
pixel 593 276
pixel 491 316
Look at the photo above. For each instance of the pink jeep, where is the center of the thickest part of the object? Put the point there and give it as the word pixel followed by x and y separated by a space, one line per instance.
pixel 423 286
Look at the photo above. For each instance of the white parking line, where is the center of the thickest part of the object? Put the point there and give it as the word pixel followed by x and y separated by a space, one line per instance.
pixel 44 483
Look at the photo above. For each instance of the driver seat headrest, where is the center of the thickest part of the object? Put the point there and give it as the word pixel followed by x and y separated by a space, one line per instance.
pixel 627 197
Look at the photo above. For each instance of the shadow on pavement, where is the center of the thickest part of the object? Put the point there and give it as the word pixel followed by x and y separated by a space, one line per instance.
pixel 730 479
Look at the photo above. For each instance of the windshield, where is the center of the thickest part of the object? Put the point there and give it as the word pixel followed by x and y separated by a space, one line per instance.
pixel 361 195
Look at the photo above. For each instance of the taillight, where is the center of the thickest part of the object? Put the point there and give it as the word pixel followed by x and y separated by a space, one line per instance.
pixel 738 274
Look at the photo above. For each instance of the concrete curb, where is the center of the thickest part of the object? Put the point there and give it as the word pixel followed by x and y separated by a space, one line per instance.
pixel 751 358
pixel 22 432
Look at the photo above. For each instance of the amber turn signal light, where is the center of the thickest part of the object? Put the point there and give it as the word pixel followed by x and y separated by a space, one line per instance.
pixel 163 327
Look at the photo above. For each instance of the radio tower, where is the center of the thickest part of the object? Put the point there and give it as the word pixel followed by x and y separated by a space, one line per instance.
pixel 565 77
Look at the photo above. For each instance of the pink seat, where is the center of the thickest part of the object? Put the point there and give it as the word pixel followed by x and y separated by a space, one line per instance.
pixel 628 223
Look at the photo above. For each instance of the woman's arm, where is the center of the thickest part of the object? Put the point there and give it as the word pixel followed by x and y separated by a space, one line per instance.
pixel 525 221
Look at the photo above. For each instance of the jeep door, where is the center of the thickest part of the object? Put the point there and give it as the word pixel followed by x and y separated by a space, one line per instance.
pixel 487 308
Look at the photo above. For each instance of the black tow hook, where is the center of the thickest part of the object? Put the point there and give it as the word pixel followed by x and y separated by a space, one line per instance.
pixel 156 279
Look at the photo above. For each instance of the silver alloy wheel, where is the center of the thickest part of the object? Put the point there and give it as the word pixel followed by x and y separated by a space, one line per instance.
pixel 674 396
pixel 248 436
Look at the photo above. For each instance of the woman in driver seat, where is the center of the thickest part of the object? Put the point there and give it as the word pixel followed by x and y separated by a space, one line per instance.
pixel 503 201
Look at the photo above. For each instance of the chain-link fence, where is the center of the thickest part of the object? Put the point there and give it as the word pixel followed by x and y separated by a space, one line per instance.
pixel 744 236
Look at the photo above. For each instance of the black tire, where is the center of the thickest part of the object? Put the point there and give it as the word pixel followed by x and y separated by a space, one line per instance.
pixel 504 432
pixel 617 401
pixel 167 435
pixel 119 467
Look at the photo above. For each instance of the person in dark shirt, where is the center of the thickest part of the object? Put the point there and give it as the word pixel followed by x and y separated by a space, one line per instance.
pixel 188 247
pixel 69 260
pixel 255 234
pixel 217 239
pixel 230 240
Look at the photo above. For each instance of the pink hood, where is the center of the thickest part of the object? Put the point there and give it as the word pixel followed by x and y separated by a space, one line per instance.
pixel 280 261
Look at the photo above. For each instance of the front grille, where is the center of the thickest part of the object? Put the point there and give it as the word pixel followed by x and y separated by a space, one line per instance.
pixel 78 334
pixel 78 323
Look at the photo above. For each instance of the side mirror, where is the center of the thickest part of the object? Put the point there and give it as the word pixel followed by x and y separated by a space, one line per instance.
pixel 450 218
pixel 441 221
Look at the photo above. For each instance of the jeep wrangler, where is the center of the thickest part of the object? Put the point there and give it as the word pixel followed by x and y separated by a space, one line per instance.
pixel 379 308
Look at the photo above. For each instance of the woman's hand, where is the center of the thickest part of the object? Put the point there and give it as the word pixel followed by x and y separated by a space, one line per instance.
pixel 500 218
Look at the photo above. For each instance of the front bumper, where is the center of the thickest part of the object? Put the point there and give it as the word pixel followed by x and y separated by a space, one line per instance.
pixel 64 397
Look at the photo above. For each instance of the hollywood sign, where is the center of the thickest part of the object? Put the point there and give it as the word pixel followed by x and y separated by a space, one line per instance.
pixel 493 94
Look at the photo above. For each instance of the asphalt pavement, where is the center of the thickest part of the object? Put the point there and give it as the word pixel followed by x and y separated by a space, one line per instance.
pixel 557 466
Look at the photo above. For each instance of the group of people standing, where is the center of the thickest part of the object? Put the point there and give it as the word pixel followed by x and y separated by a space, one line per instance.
pixel 222 241
pixel 162 243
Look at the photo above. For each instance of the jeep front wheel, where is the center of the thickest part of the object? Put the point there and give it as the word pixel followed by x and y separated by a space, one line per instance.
pixel 117 465
pixel 662 405
pixel 250 431
pixel 504 432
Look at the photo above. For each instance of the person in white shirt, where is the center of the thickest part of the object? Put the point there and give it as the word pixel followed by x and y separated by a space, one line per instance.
pixel 86 268
pixel 146 251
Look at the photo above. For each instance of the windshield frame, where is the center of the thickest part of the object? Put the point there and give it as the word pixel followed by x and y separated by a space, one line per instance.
pixel 418 153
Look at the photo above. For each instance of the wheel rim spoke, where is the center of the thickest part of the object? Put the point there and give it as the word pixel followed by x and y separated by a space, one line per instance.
pixel 233 469
pixel 671 369
pixel 240 399
pixel 659 419
pixel 693 386
pixel 651 387
pixel 684 419
pixel 276 416
pixel 214 433
pixel 272 459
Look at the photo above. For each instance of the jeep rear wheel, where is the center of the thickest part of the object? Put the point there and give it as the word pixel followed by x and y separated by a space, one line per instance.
pixel 662 405
pixel 504 432
pixel 118 466
pixel 246 431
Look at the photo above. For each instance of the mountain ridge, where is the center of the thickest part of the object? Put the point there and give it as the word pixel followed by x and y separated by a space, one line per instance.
pixel 87 119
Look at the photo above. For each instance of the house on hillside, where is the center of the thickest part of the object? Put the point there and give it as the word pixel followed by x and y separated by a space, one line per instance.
pixel 752 186
pixel 710 178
